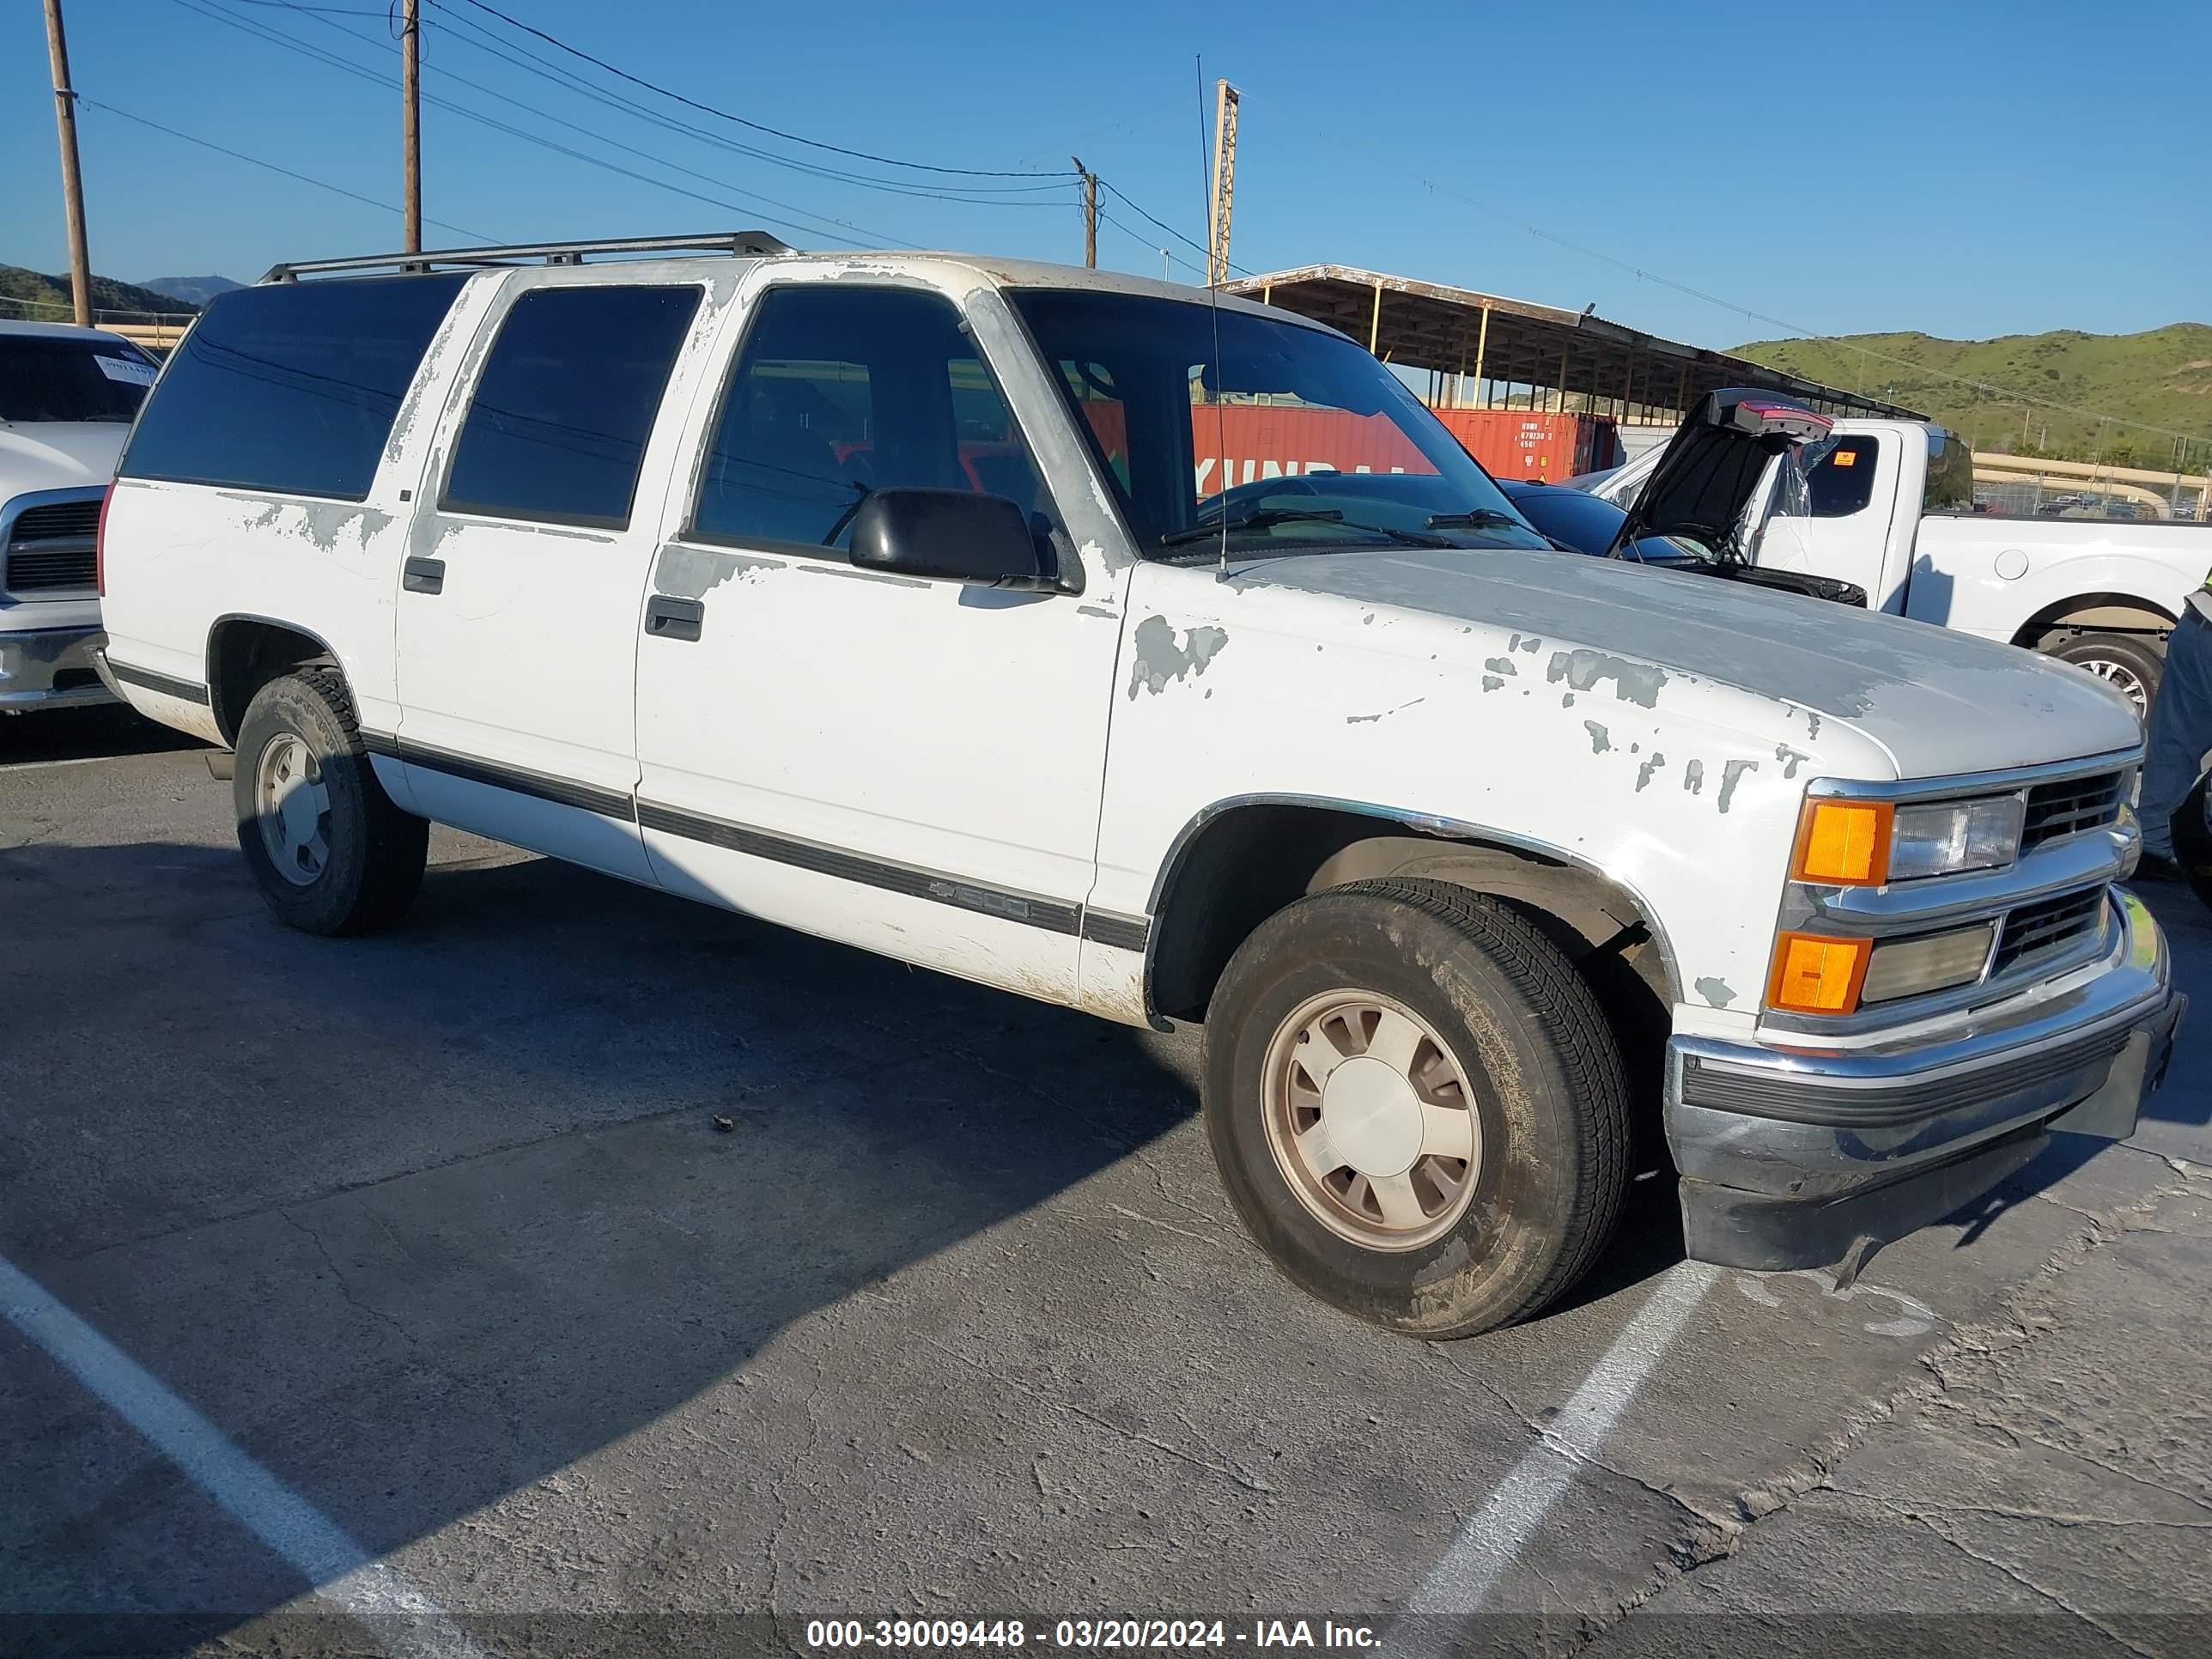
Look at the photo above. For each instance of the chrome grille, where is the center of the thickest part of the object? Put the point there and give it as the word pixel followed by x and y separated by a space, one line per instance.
pixel 53 548
pixel 2047 928
pixel 2066 806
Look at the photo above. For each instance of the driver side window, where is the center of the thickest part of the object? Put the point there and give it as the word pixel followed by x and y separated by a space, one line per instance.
pixel 841 391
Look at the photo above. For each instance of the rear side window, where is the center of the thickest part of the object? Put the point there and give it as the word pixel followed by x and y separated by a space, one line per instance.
pixel 557 429
pixel 1841 482
pixel 840 390
pixel 291 388
pixel 1950 483
pixel 48 377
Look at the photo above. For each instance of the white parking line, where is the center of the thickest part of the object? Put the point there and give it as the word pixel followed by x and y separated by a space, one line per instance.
pixel 1463 1577
pixel 82 760
pixel 388 1604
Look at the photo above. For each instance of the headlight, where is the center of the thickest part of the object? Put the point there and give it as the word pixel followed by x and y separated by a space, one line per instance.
pixel 1850 843
pixel 1951 836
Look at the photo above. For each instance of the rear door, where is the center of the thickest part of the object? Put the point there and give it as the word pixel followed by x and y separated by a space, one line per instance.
pixel 518 608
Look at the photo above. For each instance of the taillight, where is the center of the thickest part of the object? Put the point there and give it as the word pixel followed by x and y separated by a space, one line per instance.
pixel 99 545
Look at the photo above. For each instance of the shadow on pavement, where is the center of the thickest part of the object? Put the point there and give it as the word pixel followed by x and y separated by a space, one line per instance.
pixel 96 733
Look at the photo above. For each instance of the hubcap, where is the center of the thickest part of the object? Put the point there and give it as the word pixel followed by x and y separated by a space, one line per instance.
pixel 1370 1120
pixel 293 807
pixel 2121 678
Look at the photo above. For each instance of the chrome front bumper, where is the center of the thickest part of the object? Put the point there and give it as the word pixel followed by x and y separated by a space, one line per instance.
pixel 1790 1156
pixel 49 668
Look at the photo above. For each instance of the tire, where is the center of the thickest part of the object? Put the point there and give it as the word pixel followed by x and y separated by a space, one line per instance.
pixel 1506 1017
pixel 2130 664
pixel 355 859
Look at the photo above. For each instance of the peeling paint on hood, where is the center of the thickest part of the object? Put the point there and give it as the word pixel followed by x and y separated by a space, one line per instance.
pixel 1938 702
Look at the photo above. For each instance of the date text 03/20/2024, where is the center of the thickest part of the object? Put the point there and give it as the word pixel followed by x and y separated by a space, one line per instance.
pixel 924 1634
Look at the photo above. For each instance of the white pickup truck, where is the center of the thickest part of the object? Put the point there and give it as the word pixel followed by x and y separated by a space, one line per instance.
pixel 67 396
pixel 877 596
pixel 1889 508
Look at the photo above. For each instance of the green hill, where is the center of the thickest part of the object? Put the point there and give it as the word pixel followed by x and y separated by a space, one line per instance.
pixel 2161 378
pixel 41 299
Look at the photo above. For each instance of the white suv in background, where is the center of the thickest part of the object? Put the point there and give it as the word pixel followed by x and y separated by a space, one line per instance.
pixel 67 396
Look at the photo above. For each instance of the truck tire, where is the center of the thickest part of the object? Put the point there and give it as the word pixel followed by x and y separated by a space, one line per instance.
pixel 331 851
pixel 1456 1157
pixel 2129 663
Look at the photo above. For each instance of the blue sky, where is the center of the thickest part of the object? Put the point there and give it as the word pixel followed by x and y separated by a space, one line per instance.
pixel 1966 169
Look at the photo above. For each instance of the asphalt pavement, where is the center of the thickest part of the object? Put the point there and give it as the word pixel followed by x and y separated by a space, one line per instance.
pixel 409 1295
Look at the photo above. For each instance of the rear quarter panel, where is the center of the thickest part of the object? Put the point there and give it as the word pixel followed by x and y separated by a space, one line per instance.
pixel 1990 576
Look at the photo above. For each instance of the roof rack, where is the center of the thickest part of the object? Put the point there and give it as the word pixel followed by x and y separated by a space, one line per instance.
pixel 756 243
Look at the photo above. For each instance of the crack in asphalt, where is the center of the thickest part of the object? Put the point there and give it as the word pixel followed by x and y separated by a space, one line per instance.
pixel 1227 1471
pixel 2045 1593
pixel 346 1290
pixel 2015 1328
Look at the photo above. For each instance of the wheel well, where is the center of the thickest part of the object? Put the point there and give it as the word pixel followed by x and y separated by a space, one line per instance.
pixel 1241 867
pixel 243 654
pixel 2104 613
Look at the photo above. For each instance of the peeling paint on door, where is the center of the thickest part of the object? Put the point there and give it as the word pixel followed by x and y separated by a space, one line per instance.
pixel 1161 659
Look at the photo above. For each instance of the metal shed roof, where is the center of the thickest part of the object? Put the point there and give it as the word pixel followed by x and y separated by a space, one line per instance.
pixel 1457 331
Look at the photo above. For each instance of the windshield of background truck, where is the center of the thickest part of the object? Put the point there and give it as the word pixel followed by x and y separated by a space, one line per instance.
pixel 1298 439
pixel 56 378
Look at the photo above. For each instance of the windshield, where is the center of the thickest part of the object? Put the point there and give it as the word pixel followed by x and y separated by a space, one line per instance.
pixel 1588 525
pixel 1300 440
pixel 61 378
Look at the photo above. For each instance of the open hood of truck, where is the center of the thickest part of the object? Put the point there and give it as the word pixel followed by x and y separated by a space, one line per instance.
pixel 1706 478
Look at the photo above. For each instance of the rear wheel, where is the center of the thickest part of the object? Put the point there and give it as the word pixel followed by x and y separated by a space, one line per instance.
pixel 1417 1106
pixel 331 853
pixel 2129 663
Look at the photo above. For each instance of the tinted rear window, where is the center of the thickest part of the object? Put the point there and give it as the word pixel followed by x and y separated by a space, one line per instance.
pixel 1950 483
pixel 557 427
pixel 54 378
pixel 291 388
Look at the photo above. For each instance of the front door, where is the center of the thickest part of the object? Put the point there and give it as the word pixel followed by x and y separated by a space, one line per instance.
pixel 909 766
pixel 518 602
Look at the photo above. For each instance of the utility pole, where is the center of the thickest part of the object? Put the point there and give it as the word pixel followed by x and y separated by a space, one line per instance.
pixel 1224 183
pixel 411 118
pixel 72 180
pixel 1089 213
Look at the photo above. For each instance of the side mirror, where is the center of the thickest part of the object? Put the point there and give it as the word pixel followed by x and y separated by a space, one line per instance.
pixel 951 535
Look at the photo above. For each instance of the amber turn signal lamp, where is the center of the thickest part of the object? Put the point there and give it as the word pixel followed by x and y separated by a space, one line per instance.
pixel 1817 976
pixel 1845 843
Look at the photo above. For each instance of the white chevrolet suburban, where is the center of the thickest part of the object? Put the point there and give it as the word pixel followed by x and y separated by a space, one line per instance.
pixel 880 596
pixel 67 396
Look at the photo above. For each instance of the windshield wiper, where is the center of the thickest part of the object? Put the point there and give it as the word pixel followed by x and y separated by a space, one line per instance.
pixel 1476 519
pixel 1265 518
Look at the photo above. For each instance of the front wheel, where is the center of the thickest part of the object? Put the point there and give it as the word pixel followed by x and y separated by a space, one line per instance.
pixel 331 853
pixel 1417 1106
pixel 2131 664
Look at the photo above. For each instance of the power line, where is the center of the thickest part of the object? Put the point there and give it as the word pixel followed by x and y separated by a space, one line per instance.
pixel 255 160
pixel 1199 247
pixel 480 38
pixel 774 132
pixel 276 37
pixel 1140 237
pixel 1641 274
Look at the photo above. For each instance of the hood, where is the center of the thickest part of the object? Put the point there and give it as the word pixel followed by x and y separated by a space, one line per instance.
pixel 1706 475
pixel 1939 702
pixel 58 454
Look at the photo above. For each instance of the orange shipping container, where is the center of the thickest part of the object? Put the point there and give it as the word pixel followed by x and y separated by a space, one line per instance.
pixel 1513 443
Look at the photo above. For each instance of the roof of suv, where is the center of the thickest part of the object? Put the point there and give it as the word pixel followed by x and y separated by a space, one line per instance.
pixel 59 330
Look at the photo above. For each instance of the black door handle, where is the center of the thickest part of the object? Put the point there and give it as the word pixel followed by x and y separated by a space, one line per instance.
pixel 667 618
pixel 425 576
